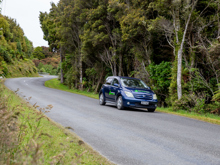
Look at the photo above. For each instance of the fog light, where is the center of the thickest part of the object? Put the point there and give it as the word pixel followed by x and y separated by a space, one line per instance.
pixel 155 105
pixel 128 103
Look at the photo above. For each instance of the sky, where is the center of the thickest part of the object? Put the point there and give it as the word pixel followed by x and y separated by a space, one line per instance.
pixel 26 13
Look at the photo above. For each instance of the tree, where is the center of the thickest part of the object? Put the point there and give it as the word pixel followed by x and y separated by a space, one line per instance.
pixel 124 37
pixel 38 53
pixel 180 51
pixel 105 34
pixel 50 24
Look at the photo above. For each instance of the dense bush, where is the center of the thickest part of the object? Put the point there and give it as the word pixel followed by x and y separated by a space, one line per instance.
pixel 187 102
pixel 160 79
pixel 216 100
pixel 23 68
pixel 15 50
pixel 70 77
pixel 47 69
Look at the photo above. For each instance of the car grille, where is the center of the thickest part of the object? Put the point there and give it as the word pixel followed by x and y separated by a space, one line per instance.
pixel 143 96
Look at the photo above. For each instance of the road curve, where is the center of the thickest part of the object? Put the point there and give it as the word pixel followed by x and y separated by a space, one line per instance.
pixel 127 137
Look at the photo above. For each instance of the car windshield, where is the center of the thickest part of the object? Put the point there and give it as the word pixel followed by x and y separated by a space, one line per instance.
pixel 133 83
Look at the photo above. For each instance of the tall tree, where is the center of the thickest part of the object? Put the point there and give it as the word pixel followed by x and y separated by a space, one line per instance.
pixel 180 48
pixel 50 24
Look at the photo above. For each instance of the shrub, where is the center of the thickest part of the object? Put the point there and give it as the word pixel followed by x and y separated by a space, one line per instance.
pixel 4 68
pixel 70 78
pixel 160 79
pixel 216 97
pixel 200 106
pixel 213 108
pixel 185 103
pixel 42 70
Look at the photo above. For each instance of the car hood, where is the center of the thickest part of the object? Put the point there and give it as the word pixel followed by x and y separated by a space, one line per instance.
pixel 139 90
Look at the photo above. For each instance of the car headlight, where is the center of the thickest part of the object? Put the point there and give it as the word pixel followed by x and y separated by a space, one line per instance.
pixel 129 94
pixel 154 96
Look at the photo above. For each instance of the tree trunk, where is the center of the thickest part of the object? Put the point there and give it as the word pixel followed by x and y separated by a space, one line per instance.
pixel 176 23
pixel 115 66
pixel 114 63
pixel 100 80
pixel 180 54
pixel 61 70
pixel 218 19
pixel 120 65
pixel 76 63
pixel 80 71
pixel 179 74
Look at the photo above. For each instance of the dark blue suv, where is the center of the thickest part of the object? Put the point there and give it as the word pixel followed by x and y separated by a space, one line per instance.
pixel 127 92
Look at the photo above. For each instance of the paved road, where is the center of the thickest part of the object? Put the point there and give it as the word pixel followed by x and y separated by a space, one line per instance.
pixel 127 137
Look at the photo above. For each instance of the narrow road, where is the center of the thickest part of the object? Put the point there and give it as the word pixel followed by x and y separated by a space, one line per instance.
pixel 127 137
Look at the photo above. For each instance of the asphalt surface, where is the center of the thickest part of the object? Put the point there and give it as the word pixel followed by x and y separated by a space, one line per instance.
pixel 127 137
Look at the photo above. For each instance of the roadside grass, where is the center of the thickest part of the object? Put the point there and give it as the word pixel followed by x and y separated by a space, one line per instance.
pixel 207 117
pixel 211 118
pixel 54 83
pixel 27 136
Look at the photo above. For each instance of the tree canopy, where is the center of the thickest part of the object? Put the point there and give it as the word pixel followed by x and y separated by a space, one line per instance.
pixel 170 44
pixel 14 46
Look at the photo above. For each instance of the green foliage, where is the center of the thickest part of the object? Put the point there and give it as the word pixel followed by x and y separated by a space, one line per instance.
pixel 49 69
pixel 213 108
pixel 216 97
pixel 185 103
pixel 14 49
pixel 197 104
pixel 19 47
pixel 160 76
pixel 5 54
pixel 100 38
pixel 45 68
pixel 42 70
pixel 38 53
pixel 200 106
pixel 40 65
pixel 18 69
pixel 4 68
pixel 198 85
pixel 70 76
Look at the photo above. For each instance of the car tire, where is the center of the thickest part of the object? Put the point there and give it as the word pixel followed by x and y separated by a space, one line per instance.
pixel 101 99
pixel 119 103
pixel 151 109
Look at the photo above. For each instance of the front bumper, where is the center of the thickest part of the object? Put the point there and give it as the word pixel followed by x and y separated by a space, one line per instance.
pixel 133 102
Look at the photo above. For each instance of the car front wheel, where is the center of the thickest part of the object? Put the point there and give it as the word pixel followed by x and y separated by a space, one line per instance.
pixel 120 103
pixel 101 99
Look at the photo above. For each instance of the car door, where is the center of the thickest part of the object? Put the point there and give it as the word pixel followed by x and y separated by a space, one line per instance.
pixel 114 90
pixel 107 87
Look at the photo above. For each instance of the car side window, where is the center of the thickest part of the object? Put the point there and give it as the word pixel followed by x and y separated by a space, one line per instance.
pixel 109 81
pixel 115 81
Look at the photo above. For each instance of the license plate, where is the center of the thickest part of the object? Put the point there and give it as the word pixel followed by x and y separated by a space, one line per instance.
pixel 145 103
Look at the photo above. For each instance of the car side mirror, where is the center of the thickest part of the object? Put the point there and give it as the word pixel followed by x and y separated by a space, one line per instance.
pixel 117 85
pixel 149 88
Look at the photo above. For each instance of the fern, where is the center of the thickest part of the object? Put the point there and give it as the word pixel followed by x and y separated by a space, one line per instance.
pixel 216 97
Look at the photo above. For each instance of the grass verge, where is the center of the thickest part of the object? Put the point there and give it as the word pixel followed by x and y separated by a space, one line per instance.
pixel 211 118
pixel 54 83
pixel 27 136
